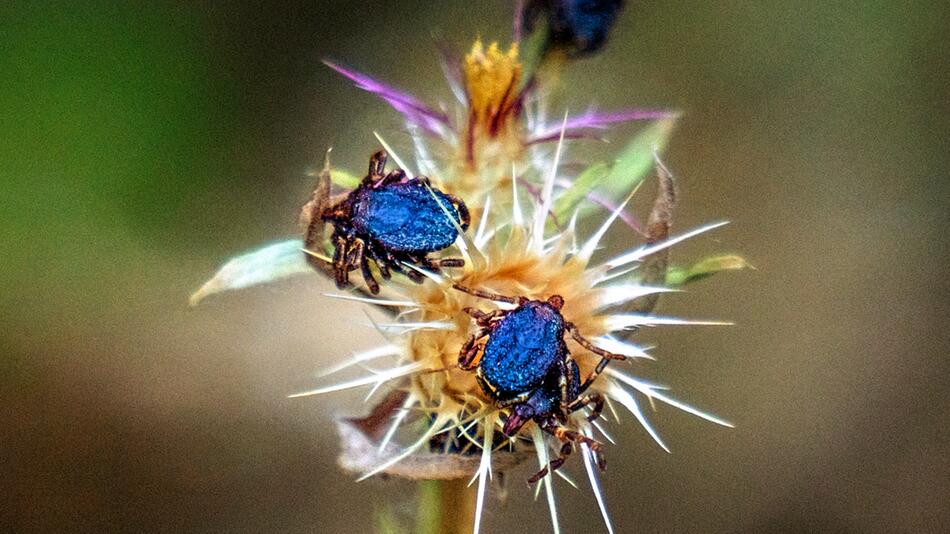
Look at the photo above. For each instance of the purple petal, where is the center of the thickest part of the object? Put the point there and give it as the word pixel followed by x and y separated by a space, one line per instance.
pixel 593 119
pixel 611 206
pixel 409 106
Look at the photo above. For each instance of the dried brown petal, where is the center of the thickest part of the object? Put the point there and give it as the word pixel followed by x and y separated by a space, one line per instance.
pixel 658 226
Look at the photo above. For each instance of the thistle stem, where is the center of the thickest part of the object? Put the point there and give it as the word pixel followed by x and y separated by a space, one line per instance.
pixel 445 507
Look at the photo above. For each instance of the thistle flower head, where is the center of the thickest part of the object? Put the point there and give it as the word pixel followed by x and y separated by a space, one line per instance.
pixel 519 256
pixel 438 421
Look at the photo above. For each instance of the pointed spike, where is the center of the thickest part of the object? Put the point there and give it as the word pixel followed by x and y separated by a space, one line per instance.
pixel 422 325
pixel 541 448
pixel 566 478
pixel 630 403
pixel 397 420
pixel 600 429
pixel 591 245
pixel 651 392
pixel 377 302
pixel 437 425
pixel 363 356
pixel 382 376
pixel 587 454
pixel 619 294
pixel 484 469
pixel 517 216
pixel 644 251
pixel 625 321
pixel 541 215
pixel 483 223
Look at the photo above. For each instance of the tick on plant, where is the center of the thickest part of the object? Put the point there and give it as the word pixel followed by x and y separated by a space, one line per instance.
pixel 525 366
pixel 393 220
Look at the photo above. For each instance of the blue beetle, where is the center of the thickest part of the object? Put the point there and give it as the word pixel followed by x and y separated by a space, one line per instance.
pixel 525 366
pixel 393 219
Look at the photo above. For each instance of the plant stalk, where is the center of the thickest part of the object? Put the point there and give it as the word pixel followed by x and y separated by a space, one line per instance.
pixel 445 507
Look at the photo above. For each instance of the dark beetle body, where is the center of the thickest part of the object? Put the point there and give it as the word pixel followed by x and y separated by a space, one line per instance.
pixel 547 398
pixel 395 221
pixel 522 349
pixel 405 217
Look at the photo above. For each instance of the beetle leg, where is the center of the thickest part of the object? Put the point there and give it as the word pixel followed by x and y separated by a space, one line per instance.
pixel 563 382
pixel 569 437
pixel 358 255
pixel 395 263
pixel 451 262
pixel 470 349
pixel 593 375
pixel 490 296
pixel 484 318
pixel 422 262
pixel 413 274
pixel 594 398
pixel 372 249
pixel 339 261
pixel 555 464
pixel 514 400
pixel 465 218
pixel 565 434
pixel 397 175
pixel 377 167
pixel 572 328
pixel 354 255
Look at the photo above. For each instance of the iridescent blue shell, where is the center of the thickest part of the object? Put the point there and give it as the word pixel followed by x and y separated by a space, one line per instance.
pixel 405 217
pixel 522 349
pixel 547 398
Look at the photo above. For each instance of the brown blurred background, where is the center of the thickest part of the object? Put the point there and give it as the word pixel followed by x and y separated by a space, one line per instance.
pixel 144 144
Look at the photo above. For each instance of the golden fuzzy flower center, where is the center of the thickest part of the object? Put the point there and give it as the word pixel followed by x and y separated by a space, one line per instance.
pixel 491 78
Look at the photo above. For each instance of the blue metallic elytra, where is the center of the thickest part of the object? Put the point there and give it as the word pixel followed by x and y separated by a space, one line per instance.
pixel 405 217
pixel 393 220
pixel 521 350
pixel 526 368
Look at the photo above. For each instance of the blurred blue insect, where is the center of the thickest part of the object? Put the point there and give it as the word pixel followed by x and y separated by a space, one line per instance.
pixel 579 26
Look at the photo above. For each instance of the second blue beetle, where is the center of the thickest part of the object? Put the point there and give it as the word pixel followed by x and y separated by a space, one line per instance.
pixel 525 366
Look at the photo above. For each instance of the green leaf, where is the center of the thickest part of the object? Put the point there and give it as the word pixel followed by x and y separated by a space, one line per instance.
pixel 636 159
pixel 586 182
pixel 267 264
pixel 531 52
pixel 678 275
pixel 344 179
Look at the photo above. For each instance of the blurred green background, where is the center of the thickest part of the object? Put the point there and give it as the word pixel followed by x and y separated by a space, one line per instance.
pixel 144 143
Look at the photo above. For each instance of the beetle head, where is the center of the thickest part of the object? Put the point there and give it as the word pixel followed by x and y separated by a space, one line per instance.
pixel 556 301
pixel 520 414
